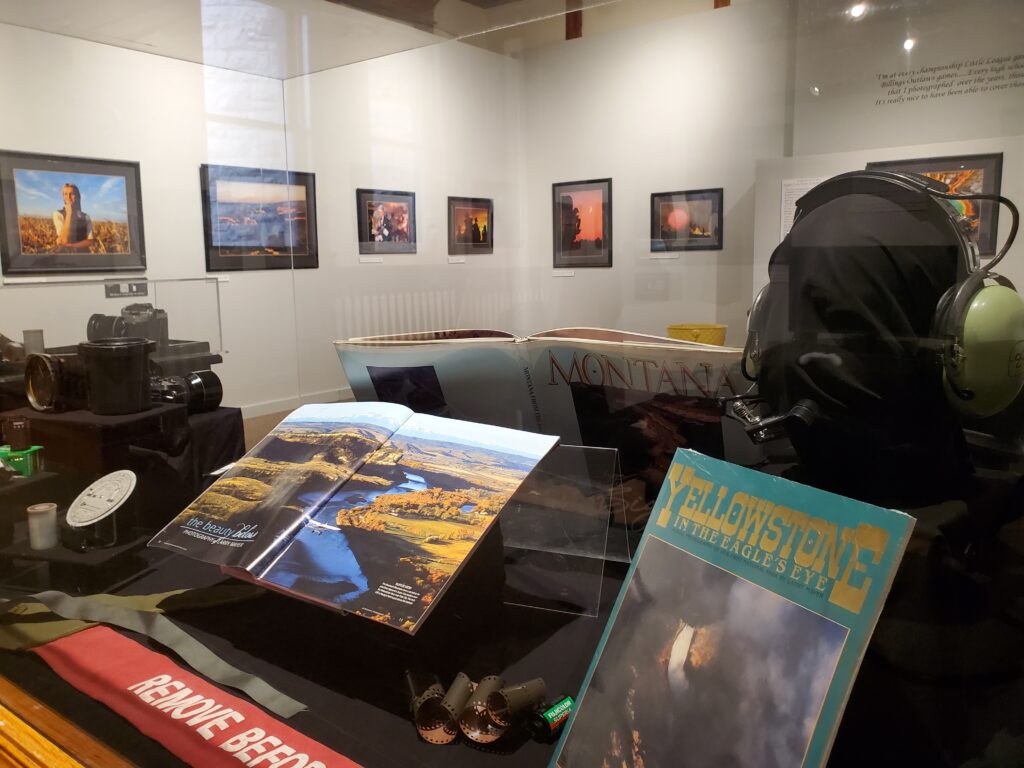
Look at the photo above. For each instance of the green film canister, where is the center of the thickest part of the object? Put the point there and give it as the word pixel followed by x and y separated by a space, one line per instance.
pixel 546 722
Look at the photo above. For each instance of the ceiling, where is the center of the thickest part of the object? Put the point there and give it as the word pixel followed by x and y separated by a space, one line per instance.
pixel 275 38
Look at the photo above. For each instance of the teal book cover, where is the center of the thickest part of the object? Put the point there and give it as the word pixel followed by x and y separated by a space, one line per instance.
pixel 738 633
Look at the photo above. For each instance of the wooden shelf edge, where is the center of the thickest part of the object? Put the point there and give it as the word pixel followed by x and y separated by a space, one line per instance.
pixel 34 736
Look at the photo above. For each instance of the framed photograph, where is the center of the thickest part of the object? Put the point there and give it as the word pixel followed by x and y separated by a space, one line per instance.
pixel 470 225
pixel 582 223
pixel 387 221
pixel 687 221
pixel 69 215
pixel 255 218
pixel 964 174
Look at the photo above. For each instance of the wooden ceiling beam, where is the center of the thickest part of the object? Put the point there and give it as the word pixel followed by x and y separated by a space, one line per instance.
pixel 573 19
pixel 418 13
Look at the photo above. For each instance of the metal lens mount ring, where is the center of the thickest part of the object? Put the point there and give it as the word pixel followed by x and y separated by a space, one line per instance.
pixel 42 381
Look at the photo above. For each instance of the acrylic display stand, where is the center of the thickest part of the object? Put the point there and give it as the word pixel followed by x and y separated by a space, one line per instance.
pixel 555 531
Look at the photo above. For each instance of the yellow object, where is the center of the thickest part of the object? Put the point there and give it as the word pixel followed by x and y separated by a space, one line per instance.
pixel 24 747
pixel 705 333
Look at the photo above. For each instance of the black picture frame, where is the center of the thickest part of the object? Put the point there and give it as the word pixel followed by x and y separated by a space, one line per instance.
pixel 377 210
pixel 688 220
pixel 968 174
pixel 107 231
pixel 570 225
pixel 470 225
pixel 258 218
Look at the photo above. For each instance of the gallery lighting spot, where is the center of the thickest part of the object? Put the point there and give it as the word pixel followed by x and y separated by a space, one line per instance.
pixel 815 90
pixel 857 11
pixel 909 43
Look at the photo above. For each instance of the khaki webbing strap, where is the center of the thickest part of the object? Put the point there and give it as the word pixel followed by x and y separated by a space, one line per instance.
pixel 25 624
pixel 170 635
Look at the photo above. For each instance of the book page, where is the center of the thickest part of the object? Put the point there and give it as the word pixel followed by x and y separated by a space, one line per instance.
pixel 253 508
pixel 454 334
pixel 793 190
pixel 389 542
pixel 619 337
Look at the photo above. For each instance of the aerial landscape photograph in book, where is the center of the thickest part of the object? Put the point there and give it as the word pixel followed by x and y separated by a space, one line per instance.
pixel 305 457
pixel 367 508
pixel 703 669
pixel 387 543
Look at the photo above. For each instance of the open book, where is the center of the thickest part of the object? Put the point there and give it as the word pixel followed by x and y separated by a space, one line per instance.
pixel 738 634
pixel 367 508
pixel 644 395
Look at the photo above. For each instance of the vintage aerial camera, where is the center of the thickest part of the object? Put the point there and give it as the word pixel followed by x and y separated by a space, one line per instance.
pixel 136 320
pixel 60 382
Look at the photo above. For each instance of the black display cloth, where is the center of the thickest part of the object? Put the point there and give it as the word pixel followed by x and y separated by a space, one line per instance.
pixel 938 684
pixel 349 670
pixel 169 450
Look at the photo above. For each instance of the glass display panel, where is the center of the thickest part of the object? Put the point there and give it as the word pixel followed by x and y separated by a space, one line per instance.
pixel 864 370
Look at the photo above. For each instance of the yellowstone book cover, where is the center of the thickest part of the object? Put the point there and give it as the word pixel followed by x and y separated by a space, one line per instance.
pixel 366 508
pixel 742 623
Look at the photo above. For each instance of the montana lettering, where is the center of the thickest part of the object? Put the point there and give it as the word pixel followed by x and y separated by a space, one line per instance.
pixel 655 376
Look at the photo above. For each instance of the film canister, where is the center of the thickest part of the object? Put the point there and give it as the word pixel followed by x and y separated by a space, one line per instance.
pixel 546 722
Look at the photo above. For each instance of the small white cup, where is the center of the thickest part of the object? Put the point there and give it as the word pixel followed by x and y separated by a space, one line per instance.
pixel 33 340
pixel 42 525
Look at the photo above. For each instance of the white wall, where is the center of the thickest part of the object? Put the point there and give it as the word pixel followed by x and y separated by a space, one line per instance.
pixel 661 107
pixel 170 116
pixel 843 59
pixel 440 121
pixel 839 127
pixel 687 103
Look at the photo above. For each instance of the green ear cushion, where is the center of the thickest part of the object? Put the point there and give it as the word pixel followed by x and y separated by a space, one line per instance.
pixel 991 369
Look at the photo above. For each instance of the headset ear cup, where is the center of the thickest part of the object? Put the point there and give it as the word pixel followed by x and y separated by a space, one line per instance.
pixel 948 334
pixel 983 347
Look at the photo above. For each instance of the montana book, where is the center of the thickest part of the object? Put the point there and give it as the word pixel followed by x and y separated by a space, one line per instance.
pixel 367 508
pixel 643 395
pixel 737 636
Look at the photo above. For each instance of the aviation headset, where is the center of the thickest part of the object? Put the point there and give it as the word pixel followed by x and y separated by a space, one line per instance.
pixel 977 337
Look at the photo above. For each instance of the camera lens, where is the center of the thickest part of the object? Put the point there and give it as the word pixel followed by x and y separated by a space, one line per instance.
pixel 41 381
pixel 205 390
pixel 104 327
pixel 199 390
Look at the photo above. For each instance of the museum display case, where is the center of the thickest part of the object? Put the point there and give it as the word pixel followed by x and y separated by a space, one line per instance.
pixel 238 238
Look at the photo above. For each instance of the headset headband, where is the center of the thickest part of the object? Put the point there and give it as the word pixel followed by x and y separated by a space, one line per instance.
pixel 909 191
